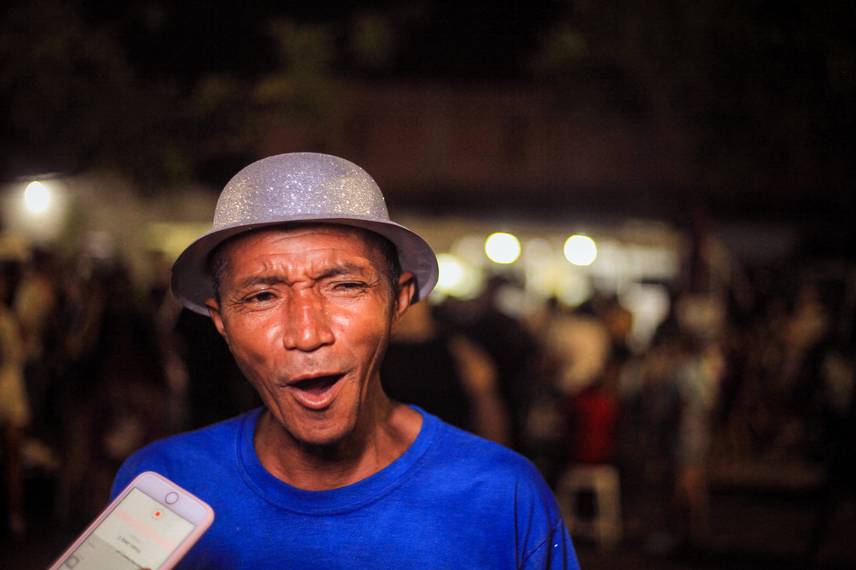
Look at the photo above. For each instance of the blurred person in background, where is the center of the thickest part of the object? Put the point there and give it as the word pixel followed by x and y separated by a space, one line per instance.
pixel 667 406
pixel 119 395
pixel 446 374
pixel 646 445
pixel 750 397
pixel 81 316
pixel 165 311
pixel 698 368
pixel 592 415
pixel 580 340
pixel 839 453
pixel 619 324
pixel 804 341
pixel 512 349
pixel 35 305
pixel 593 410
pixel 572 412
pixel 14 405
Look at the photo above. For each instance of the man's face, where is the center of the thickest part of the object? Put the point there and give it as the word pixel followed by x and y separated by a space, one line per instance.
pixel 307 313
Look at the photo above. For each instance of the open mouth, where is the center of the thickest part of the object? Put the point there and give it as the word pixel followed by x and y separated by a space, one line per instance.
pixel 317 393
pixel 317 385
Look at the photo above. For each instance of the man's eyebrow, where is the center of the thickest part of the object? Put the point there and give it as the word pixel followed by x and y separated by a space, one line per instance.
pixel 259 280
pixel 342 269
pixel 326 273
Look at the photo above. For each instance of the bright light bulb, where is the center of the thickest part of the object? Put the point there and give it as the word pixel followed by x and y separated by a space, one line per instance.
pixel 501 247
pixel 37 197
pixel 580 250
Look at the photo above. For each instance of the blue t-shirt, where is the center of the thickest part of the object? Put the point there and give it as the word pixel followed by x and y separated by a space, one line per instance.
pixel 452 500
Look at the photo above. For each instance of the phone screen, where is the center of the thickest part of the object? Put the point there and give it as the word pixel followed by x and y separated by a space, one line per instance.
pixel 139 533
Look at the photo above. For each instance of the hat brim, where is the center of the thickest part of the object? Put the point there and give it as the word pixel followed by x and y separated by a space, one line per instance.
pixel 192 284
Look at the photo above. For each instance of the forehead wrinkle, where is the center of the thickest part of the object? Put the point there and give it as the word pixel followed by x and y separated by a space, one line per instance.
pixel 343 268
pixel 272 272
pixel 266 274
pixel 368 241
pixel 271 267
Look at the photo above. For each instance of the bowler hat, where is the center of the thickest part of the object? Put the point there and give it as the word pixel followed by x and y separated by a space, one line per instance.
pixel 298 187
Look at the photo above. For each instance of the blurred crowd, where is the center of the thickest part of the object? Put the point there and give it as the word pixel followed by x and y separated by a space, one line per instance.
pixel 95 365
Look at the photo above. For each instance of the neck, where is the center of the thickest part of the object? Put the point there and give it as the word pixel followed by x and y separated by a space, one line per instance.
pixel 384 432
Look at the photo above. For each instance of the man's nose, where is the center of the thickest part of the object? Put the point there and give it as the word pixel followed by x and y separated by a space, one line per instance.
pixel 306 323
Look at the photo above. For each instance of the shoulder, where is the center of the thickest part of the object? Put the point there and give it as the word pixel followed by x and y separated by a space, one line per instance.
pixel 186 454
pixel 460 444
pixel 507 492
pixel 472 456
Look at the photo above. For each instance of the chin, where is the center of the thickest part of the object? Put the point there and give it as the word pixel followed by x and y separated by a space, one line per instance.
pixel 325 429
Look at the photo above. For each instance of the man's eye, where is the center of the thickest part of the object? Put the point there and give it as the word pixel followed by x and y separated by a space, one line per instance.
pixel 260 297
pixel 349 285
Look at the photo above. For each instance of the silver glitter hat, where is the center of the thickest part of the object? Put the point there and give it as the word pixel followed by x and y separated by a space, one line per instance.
pixel 298 187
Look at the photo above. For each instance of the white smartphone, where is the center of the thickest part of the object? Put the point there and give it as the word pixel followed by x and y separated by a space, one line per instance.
pixel 151 524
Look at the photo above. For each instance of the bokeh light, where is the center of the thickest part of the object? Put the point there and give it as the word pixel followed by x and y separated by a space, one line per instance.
pixel 451 272
pixel 580 250
pixel 36 210
pixel 502 247
pixel 457 277
pixel 37 197
pixel 572 287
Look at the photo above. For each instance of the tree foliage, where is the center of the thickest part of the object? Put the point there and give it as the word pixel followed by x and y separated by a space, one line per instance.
pixel 765 90
pixel 83 91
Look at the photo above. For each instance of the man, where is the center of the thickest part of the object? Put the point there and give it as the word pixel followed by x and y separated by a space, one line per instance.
pixel 304 276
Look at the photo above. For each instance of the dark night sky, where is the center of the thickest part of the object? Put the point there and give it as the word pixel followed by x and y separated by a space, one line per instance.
pixel 439 39
pixel 765 88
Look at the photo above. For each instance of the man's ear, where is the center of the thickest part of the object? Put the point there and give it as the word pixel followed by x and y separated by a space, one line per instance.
pixel 406 291
pixel 214 312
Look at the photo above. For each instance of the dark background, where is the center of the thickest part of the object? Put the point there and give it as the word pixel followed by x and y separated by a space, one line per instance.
pixel 759 95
